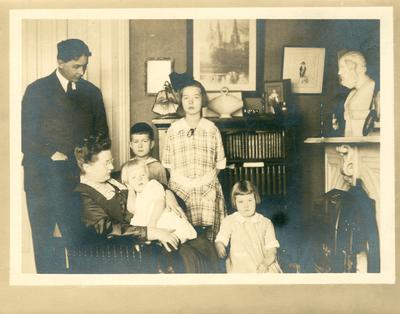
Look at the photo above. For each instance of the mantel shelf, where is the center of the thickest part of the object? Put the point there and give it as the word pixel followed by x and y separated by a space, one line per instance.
pixel 343 140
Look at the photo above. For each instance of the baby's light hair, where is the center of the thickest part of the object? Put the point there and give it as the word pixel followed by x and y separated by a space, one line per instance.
pixel 244 187
pixel 128 166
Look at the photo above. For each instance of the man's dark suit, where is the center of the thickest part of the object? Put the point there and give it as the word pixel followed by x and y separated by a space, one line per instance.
pixel 53 122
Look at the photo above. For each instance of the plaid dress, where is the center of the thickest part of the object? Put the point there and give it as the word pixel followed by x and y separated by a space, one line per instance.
pixel 193 156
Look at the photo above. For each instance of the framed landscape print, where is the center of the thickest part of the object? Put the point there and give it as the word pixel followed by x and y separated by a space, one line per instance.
pixel 305 68
pixel 224 54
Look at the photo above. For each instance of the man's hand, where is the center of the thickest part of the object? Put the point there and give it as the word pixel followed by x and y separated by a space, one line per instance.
pixel 59 156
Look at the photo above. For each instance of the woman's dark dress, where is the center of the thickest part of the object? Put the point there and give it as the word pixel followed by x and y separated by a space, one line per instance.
pixel 109 221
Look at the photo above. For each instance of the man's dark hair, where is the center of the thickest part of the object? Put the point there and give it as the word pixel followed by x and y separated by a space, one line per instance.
pixel 142 128
pixel 72 49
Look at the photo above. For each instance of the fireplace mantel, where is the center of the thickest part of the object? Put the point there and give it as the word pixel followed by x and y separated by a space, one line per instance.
pixel 356 140
pixel 348 159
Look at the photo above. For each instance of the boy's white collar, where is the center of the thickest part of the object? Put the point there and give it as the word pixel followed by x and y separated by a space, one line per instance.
pixel 147 161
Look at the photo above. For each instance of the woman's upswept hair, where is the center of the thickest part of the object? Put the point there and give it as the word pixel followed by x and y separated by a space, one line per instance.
pixel 90 148
pixel 126 167
pixel 244 187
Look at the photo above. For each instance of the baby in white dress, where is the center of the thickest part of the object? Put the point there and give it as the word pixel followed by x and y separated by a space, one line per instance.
pixel 146 201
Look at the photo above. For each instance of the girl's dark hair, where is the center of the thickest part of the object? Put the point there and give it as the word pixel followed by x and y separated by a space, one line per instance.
pixel 90 148
pixel 244 187
pixel 204 97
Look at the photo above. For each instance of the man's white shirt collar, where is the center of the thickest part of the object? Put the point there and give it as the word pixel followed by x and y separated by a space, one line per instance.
pixel 64 81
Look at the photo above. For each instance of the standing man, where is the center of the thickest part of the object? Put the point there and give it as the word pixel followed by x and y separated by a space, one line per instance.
pixel 58 112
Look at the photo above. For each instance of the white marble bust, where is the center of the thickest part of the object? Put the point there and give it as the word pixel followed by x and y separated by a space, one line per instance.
pixel 352 74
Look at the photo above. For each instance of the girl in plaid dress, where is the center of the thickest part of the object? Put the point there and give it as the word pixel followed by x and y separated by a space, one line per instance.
pixel 194 154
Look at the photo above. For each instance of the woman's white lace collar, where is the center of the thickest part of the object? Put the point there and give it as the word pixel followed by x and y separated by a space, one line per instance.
pixel 103 188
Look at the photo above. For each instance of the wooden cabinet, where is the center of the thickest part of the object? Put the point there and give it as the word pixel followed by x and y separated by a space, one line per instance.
pixel 257 148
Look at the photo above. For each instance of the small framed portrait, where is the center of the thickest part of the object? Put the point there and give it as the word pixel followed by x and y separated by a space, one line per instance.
pixel 304 66
pixel 276 93
pixel 157 72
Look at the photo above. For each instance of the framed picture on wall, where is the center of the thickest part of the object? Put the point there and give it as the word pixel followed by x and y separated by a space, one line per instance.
pixel 305 68
pixel 224 54
pixel 157 71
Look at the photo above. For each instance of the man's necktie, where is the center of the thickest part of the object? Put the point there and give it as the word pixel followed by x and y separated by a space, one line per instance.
pixel 70 91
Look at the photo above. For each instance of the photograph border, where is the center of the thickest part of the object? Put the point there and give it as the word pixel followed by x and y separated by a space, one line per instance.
pixel 18 278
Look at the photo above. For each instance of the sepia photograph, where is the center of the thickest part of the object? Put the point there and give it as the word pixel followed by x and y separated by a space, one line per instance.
pixel 111 187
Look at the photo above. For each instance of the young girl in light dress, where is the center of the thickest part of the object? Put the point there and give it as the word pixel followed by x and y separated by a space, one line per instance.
pixel 253 245
pixel 146 201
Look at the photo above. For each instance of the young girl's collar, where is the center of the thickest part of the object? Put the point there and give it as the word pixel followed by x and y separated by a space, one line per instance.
pixel 192 123
pixel 186 125
pixel 253 219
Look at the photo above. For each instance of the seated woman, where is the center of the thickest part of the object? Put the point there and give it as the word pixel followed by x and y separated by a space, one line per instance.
pixel 105 213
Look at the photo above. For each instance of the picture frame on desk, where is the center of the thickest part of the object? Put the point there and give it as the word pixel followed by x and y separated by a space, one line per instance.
pixel 276 95
pixel 304 66
pixel 281 89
